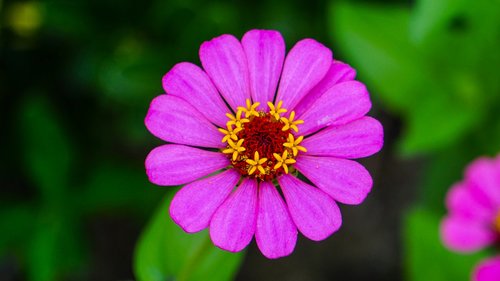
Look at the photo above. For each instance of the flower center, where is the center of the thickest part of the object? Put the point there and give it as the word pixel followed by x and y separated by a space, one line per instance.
pixel 261 145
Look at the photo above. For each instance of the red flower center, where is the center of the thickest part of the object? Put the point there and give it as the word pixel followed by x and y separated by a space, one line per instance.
pixel 264 135
pixel 261 144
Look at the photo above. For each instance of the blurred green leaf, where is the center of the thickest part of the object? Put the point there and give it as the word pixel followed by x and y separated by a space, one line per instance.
pixel 56 248
pixel 166 252
pixel 440 101
pixel 374 38
pixel 426 257
pixel 48 151
pixel 16 223
pixel 430 15
pixel 437 121
pixel 113 186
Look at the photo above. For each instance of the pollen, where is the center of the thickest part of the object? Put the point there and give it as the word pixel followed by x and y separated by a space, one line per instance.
pixel 234 148
pixel 293 144
pixel 276 110
pixel 236 120
pixel 250 110
pixel 230 133
pixel 261 145
pixel 290 123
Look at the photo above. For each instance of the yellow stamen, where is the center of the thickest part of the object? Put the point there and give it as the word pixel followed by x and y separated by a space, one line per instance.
pixel 256 163
pixel 289 123
pixel 250 109
pixel 234 148
pixel 236 120
pixel 293 144
pixel 230 133
pixel 283 161
pixel 276 110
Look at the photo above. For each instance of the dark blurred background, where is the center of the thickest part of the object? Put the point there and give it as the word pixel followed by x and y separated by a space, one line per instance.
pixel 76 79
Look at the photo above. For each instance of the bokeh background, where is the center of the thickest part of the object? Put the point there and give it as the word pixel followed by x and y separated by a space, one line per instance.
pixel 76 79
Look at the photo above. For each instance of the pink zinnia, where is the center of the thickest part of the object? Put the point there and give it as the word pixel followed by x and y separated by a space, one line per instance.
pixel 473 220
pixel 488 270
pixel 237 137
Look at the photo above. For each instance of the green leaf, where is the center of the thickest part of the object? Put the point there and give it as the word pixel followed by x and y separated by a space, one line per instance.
pixel 426 257
pixel 375 41
pixel 429 16
pixel 113 186
pixel 56 249
pixel 440 102
pixel 438 122
pixel 16 223
pixel 48 152
pixel 166 252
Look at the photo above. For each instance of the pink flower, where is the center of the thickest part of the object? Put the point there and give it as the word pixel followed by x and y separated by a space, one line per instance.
pixel 242 129
pixel 488 270
pixel 473 220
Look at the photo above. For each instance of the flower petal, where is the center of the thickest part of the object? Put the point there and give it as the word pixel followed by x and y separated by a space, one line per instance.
pixel 265 51
pixel 465 235
pixel 189 82
pixel 276 233
pixel 483 175
pixel 194 205
pixel 233 224
pixel 343 103
pixel 338 72
pixel 314 213
pixel 173 164
pixel 488 270
pixel 360 138
pixel 225 62
pixel 174 120
pixel 305 65
pixel 462 201
pixel 346 181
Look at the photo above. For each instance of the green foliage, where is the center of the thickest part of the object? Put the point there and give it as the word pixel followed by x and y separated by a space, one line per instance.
pixel 427 258
pixel 166 252
pixel 47 149
pixel 46 233
pixel 408 59
pixel 435 65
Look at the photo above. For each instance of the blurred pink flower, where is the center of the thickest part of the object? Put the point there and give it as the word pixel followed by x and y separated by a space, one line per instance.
pixel 488 270
pixel 473 220
pixel 250 121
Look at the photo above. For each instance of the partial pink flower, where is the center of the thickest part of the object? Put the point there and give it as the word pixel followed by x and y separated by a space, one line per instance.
pixel 488 270
pixel 243 130
pixel 473 220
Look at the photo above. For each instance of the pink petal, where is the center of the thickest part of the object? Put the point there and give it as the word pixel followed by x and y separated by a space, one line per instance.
pixel 314 213
pixel 305 65
pixel 194 205
pixel 343 103
pixel 174 120
pixel 173 164
pixel 225 62
pixel 189 82
pixel 346 181
pixel 483 175
pixel 488 270
pixel 356 139
pixel 338 72
pixel 462 201
pixel 265 51
pixel 276 233
pixel 233 224
pixel 464 235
